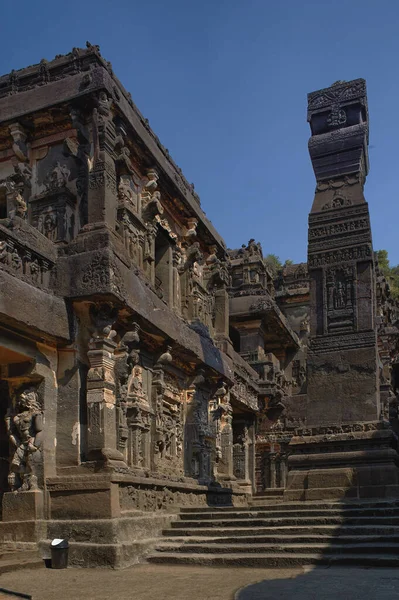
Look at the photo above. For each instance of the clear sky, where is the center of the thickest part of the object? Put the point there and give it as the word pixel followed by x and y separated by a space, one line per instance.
pixel 224 84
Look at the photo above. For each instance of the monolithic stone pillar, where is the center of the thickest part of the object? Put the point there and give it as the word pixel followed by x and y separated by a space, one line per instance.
pixel 345 449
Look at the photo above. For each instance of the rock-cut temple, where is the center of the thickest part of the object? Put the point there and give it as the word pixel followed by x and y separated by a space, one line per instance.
pixel 153 380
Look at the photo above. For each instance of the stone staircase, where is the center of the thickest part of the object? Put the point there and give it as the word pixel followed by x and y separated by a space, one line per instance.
pixel 282 534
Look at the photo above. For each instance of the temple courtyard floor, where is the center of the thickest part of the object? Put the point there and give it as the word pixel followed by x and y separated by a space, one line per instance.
pixel 158 582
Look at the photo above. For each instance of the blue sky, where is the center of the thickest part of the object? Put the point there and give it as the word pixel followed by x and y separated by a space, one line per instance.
pixel 224 86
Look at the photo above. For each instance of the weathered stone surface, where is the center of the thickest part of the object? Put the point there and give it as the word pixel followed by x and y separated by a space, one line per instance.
pixel 143 366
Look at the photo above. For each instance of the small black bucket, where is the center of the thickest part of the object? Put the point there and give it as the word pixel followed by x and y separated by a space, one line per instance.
pixel 59 554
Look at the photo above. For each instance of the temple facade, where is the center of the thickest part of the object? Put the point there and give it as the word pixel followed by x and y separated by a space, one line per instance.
pixel 144 366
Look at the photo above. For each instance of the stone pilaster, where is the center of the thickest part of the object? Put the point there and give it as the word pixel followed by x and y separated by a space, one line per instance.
pixel 102 195
pixel 226 463
pixel 101 397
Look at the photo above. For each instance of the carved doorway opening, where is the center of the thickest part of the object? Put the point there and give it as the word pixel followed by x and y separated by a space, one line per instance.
pixel 15 371
pixel 4 443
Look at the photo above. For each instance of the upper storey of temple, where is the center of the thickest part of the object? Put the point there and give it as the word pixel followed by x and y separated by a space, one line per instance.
pixel 42 101
pixel 338 118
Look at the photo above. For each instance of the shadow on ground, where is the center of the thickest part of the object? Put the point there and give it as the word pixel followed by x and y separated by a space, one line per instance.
pixel 327 583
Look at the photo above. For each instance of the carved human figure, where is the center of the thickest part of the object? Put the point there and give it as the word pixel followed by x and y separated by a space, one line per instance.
pixel 35 271
pixel 20 206
pixel 25 434
pixel 58 177
pixel 50 226
pixel 339 295
pixel 125 192
pixel 16 261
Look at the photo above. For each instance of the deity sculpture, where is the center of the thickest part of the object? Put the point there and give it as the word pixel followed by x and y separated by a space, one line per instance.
pixel 25 431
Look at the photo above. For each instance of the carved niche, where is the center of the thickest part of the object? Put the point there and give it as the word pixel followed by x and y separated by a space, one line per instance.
pixel 197 301
pixel 340 299
pixel 53 212
pixel 129 223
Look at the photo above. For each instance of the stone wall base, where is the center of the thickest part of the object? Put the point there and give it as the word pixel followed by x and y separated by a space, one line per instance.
pixel 110 519
pixel 343 466
pixel 23 506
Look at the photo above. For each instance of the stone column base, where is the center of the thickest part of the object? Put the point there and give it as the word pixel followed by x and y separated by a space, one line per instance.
pixel 358 464
pixel 23 506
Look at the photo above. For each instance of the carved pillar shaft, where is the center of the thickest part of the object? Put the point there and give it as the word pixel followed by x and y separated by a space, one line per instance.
pixel 222 313
pixel 273 478
pixel 102 196
pixel 283 470
pixel 226 433
pixel 102 431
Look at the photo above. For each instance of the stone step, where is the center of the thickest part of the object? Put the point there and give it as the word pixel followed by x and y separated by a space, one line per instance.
pixel 329 530
pixel 284 539
pixel 259 548
pixel 295 506
pixel 270 560
pixel 269 501
pixel 339 521
pixel 314 512
pixel 16 560
pixel 271 492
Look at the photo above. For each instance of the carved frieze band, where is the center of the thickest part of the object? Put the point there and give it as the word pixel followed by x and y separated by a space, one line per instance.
pixel 338 214
pixel 321 245
pixel 347 341
pixel 23 262
pixel 337 229
pixel 340 256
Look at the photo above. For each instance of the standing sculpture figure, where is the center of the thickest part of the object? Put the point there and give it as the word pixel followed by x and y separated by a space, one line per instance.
pixel 25 434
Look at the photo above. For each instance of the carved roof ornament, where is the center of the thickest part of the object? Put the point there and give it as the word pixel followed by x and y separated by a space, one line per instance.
pixel 252 249
pixel 94 48
pixel 13 81
pixel 44 71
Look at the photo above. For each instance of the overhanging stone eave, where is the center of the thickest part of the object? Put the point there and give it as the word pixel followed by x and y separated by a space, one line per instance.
pixel 158 319
pixel 29 316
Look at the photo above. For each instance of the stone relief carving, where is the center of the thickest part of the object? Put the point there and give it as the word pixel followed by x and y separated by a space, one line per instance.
pixel 25 430
pixel 126 193
pixel 57 178
pixel 337 202
pixel 340 255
